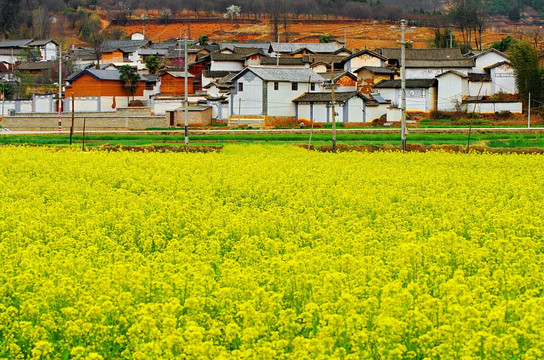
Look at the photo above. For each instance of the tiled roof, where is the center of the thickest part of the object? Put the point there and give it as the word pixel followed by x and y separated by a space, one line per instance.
pixel 216 74
pixel 441 63
pixel 14 43
pixel 475 77
pixel 126 46
pixel 42 42
pixel 336 75
pixel 376 70
pixel 327 96
pixel 365 51
pixel 410 83
pixel 282 61
pixel 453 72
pixel 497 65
pixel 422 54
pixel 283 74
pixel 179 74
pixel 318 48
pixel 36 66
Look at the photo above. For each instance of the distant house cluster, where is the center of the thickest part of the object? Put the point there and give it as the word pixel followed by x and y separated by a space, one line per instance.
pixel 257 80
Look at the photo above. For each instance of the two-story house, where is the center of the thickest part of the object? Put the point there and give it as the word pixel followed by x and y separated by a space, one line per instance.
pixel 269 91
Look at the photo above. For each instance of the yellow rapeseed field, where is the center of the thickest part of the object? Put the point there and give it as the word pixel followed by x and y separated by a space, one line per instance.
pixel 270 253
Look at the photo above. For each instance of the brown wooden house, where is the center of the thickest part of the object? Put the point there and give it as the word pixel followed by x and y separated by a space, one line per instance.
pixel 173 83
pixel 92 82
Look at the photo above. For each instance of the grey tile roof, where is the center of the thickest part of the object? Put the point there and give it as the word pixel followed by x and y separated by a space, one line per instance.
pixel 14 43
pixel 325 58
pixel 99 74
pixel 157 52
pixel 42 42
pixel 410 83
pixel 327 96
pixel 441 63
pixel 264 46
pixel 282 61
pixel 497 65
pixel 336 75
pixel 376 70
pixel 365 51
pixel 240 54
pixel 216 74
pixel 283 74
pixel 475 77
pixel 476 54
pixel 126 46
pixel 422 54
pixel 164 45
pixel 179 74
pixel 36 66
pixel 83 53
pixel 318 48
pixel 453 72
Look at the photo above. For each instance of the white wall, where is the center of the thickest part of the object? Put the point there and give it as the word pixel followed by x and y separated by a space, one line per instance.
pixel 363 60
pixel 280 101
pixel 503 80
pixel 451 90
pixel 420 100
pixel 375 112
pixel 418 73
pixel 487 59
pixel 352 111
pixel 8 58
pixel 226 66
pixel 249 101
pixel 49 51
pixel 514 107
pixel 484 89
pixel 160 107
pixel 355 110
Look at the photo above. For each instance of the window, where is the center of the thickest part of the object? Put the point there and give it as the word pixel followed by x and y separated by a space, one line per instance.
pixel 312 87
pixel 149 85
pixel 240 86
pixel 294 86
pixel 276 85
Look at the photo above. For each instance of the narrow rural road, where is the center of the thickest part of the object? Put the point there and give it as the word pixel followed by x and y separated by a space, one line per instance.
pixel 508 130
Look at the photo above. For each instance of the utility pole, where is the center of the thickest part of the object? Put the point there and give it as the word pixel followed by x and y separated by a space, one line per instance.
pixel 333 100
pixel 3 102
pixel 73 118
pixel 186 96
pixel 179 48
pixel 60 88
pixel 451 40
pixel 528 112
pixel 333 110
pixel 403 86
pixel 345 41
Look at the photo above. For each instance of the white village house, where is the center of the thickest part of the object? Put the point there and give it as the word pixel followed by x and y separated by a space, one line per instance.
pixel 351 106
pixel 269 91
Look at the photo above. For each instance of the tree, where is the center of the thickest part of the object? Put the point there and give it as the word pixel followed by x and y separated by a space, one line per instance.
pixel 203 40
pixel 152 64
pixel 524 60
pixel 90 31
pixel 504 44
pixel 6 90
pixel 232 12
pixel 469 17
pixel 130 78
pixel 325 38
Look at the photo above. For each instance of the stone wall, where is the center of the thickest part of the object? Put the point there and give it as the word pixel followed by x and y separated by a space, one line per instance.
pixel 93 121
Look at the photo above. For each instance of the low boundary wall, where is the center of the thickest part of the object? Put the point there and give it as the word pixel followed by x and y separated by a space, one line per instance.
pixel 45 122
